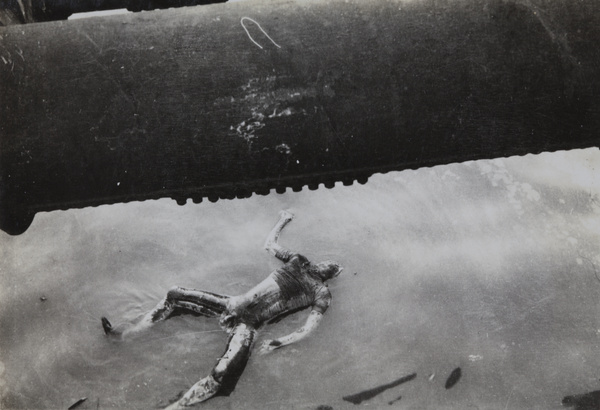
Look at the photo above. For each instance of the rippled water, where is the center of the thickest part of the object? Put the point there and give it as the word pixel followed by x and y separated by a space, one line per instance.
pixel 490 266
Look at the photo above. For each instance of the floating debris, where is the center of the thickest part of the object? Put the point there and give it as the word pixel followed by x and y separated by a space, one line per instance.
pixel 43 298
pixel 395 400
pixel 77 403
pixel 369 394
pixel 453 378
pixel 585 401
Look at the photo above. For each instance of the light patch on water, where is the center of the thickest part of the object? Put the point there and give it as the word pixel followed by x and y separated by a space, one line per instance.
pixel 448 174
pixel 516 191
pixel 564 169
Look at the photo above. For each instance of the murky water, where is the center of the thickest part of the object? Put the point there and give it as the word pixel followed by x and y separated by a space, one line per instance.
pixel 490 266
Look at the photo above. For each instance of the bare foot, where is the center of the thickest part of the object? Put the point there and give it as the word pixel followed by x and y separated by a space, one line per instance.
pixel 108 329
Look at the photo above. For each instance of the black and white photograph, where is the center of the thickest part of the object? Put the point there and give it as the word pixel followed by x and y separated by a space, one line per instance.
pixel 299 204
pixel 490 267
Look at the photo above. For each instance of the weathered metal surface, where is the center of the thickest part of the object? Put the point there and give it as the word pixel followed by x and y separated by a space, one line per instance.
pixel 223 101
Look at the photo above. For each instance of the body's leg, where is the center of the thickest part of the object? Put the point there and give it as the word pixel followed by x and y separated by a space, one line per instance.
pixel 271 244
pixel 226 373
pixel 177 300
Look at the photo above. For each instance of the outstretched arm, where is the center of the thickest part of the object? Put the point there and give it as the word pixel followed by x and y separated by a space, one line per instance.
pixel 271 244
pixel 311 324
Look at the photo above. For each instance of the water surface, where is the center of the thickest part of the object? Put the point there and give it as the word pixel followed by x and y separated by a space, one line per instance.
pixel 490 266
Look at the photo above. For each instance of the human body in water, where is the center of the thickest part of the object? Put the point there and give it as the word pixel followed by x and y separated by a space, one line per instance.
pixel 297 285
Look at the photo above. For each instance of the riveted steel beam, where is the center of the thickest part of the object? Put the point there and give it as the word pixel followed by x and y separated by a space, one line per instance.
pixel 223 101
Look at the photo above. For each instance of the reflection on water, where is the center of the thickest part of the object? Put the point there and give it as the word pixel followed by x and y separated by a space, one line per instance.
pixel 488 266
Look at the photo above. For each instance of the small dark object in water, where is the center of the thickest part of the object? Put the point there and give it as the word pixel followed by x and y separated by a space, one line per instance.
pixel 369 394
pixel 395 400
pixel 324 407
pixel 106 325
pixel 43 298
pixel 453 378
pixel 77 403
pixel 585 401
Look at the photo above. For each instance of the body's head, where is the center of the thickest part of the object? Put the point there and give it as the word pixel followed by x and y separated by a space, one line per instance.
pixel 328 269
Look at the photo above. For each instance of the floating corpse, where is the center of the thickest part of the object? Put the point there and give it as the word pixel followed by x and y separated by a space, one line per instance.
pixel 297 285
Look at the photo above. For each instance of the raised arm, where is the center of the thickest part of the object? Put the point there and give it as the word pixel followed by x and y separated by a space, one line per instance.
pixel 271 244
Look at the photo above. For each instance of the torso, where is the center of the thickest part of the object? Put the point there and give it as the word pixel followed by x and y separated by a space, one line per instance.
pixel 291 288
